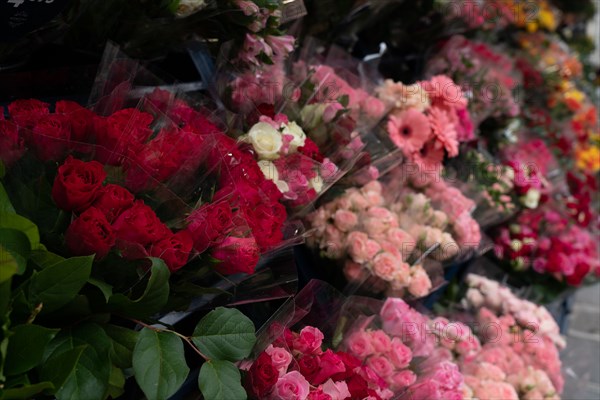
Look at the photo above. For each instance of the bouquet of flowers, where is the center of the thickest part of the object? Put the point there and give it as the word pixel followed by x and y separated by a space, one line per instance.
pixel 428 119
pixel 483 72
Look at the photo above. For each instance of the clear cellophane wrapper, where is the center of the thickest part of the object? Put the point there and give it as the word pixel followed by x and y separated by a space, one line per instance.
pixel 181 165
pixel 482 71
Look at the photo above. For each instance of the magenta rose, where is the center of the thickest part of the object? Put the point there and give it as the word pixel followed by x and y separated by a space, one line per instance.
pixel 330 364
pixel 77 184
pixel 89 234
pixel 236 255
pixel 309 340
pixel 174 249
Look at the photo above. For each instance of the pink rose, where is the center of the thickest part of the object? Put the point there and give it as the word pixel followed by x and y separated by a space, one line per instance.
pixel 309 341
pixel 402 240
pixel 358 201
pixel 400 354
pixel 381 366
pixel 385 265
pixel 291 386
pixel 281 358
pixel 372 248
pixel 336 390
pixel 357 246
pixel 345 220
pixel 354 272
pixel 380 341
pixel 420 284
pixel 403 379
pixel 359 344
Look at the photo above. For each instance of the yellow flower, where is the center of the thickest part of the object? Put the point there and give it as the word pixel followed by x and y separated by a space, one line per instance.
pixel 575 95
pixel 546 19
pixel 588 159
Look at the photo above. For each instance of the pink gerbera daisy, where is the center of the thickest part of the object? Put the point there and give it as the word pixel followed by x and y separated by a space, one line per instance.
pixel 430 157
pixel 444 130
pixel 443 92
pixel 409 130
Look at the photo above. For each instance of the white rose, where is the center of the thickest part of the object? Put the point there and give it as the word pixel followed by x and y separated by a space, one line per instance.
pixel 312 115
pixel 531 199
pixel 282 186
pixel 265 140
pixel 269 170
pixel 299 137
pixel 316 183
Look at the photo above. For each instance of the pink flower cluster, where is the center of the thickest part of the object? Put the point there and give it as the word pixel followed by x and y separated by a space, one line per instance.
pixel 262 21
pixel 483 72
pixel 360 230
pixel 546 241
pixel 295 367
pixel 428 119
pixel 490 294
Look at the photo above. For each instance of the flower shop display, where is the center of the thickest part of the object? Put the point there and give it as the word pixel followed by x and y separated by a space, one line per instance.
pixel 413 155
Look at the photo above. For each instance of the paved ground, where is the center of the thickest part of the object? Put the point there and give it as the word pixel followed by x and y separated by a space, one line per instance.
pixel 581 358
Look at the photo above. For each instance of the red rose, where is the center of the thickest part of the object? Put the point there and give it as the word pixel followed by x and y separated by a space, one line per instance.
pixel 174 249
pixel 311 150
pixel 77 184
pixel 266 221
pixel 581 270
pixel 172 152
pixel 139 225
pixel 80 119
pixel 51 137
pixel 12 145
pixel 309 366
pixel 90 234
pixel 331 364
pixel 125 129
pixel 25 112
pixel 236 255
pixel 261 377
pixel 113 200
pixel 210 224
pixel 357 386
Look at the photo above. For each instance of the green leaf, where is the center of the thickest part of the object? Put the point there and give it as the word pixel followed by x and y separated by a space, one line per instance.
pixel 26 392
pixel 16 241
pixel 57 285
pixel 123 342
pixel 221 380
pixel 58 369
pixel 26 347
pixel 14 221
pixel 159 363
pixel 104 287
pixel 9 265
pixel 116 382
pixel 43 258
pixel 5 204
pixel 90 375
pixel 155 295
pixel 225 334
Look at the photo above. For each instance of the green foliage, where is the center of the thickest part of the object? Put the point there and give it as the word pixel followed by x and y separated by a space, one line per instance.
pixel 220 380
pixel 225 334
pixel 159 363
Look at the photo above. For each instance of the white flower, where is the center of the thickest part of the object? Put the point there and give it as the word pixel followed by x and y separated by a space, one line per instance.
pixel 299 137
pixel 188 7
pixel 269 170
pixel 265 140
pixel 531 199
pixel 316 183
pixel 282 186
